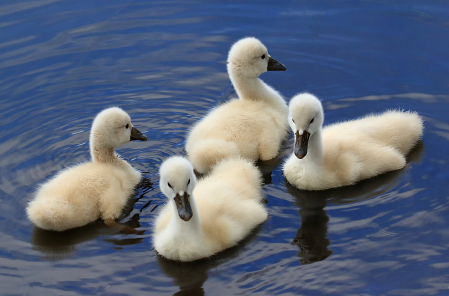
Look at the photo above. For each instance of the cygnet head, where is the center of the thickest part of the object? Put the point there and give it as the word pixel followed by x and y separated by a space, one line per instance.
pixel 112 127
pixel 305 117
pixel 177 183
pixel 248 57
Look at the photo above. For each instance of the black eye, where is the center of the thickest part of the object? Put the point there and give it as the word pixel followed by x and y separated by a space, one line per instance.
pixel 126 126
pixel 293 120
pixel 312 120
pixel 263 56
pixel 169 185
pixel 188 182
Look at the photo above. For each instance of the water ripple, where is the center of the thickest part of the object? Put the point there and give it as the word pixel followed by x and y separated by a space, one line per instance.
pixel 62 62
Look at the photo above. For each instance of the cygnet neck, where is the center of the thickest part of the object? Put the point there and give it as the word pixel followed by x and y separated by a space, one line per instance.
pixel 253 88
pixel 100 152
pixel 315 152
pixel 189 229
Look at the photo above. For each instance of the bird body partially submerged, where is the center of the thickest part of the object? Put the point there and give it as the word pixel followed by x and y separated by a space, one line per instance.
pixel 86 192
pixel 202 219
pixel 252 125
pixel 344 153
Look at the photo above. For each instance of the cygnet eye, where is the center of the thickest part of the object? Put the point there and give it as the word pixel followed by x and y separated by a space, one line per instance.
pixel 169 185
pixel 263 56
pixel 312 120
pixel 127 125
pixel 188 182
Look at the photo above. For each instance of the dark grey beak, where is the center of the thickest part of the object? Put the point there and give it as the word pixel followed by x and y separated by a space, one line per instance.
pixel 183 206
pixel 274 65
pixel 301 143
pixel 137 135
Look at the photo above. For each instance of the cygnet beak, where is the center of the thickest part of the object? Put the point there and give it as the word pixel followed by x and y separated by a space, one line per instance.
pixel 183 206
pixel 137 135
pixel 301 143
pixel 274 65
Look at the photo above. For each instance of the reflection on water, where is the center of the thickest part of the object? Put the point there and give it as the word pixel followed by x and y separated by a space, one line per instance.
pixel 53 245
pixel 311 237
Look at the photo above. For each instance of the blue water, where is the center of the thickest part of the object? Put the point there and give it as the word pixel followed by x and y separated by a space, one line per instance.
pixel 61 62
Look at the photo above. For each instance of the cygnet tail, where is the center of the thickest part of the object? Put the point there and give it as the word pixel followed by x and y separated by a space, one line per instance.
pixel 206 153
pixel 49 215
pixel 239 173
pixel 402 130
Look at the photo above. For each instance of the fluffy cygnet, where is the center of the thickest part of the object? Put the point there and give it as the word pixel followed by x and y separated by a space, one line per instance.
pixel 83 193
pixel 202 219
pixel 252 125
pixel 346 152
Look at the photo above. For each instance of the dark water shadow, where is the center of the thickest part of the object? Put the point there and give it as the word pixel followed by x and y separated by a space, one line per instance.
pixel 190 276
pixel 55 245
pixel 311 236
pixel 268 166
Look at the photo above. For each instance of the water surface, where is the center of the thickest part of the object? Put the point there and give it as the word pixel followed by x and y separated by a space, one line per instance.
pixel 61 62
